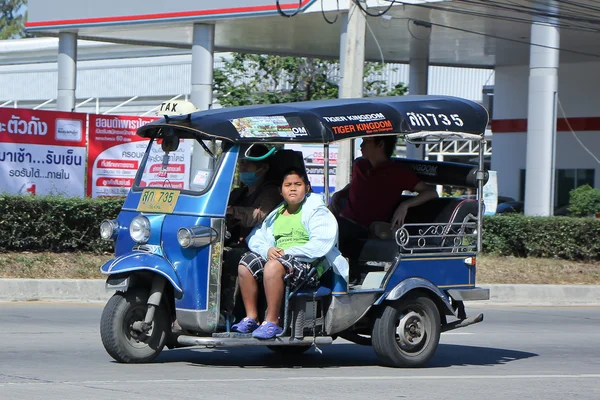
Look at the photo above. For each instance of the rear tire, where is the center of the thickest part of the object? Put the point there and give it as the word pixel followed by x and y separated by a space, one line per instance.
pixel 408 332
pixel 119 339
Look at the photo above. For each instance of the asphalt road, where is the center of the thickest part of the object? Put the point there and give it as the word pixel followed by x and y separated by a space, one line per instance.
pixel 53 351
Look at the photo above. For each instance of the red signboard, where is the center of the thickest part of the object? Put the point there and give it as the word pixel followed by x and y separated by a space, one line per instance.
pixel 42 152
pixel 115 152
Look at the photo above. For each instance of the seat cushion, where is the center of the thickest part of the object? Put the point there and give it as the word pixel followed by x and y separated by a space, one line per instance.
pixel 378 251
pixel 444 211
pixel 321 291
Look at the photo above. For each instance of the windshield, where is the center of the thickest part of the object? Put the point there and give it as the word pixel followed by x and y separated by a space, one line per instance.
pixel 188 165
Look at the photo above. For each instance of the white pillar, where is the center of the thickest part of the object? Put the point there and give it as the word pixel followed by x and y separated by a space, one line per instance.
pixel 203 46
pixel 541 119
pixel 418 78
pixel 352 61
pixel 67 71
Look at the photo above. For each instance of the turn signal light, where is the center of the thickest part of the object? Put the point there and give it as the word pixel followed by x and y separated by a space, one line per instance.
pixel 196 236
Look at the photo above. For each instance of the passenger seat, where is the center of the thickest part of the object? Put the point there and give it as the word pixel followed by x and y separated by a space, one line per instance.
pixel 381 248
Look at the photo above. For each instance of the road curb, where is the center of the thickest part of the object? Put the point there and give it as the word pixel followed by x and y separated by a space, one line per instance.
pixel 92 291
pixel 80 290
pixel 543 295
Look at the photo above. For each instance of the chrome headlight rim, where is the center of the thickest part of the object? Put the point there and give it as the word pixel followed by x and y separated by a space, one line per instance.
pixel 109 228
pixel 140 229
pixel 184 237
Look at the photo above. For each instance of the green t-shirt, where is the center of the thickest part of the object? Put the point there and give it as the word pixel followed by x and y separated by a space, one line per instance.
pixel 288 230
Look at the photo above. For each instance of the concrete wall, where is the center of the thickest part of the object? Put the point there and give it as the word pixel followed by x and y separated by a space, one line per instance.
pixel 578 89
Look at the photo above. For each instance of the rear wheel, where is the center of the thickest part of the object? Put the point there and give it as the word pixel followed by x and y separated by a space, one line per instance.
pixel 408 332
pixel 120 340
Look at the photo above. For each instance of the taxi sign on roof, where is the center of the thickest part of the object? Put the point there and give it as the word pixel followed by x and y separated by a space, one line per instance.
pixel 176 108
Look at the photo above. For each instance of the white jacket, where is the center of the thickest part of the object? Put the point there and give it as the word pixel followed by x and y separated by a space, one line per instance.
pixel 322 229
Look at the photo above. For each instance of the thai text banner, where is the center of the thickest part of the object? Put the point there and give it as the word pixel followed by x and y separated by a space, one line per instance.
pixel 42 152
pixel 115 153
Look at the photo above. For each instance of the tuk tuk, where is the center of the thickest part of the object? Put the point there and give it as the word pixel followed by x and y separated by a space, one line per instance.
pixel 171 235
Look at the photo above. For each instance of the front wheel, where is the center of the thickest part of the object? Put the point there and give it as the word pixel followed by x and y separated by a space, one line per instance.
pixel 120 340
pixel 408 332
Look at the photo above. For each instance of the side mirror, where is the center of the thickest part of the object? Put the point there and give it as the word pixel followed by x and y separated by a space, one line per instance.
pixel 170 143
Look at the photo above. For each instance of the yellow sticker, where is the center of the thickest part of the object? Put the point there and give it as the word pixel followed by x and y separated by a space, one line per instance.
pixel 158 200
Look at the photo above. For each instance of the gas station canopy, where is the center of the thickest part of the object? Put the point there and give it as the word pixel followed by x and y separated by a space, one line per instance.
pixel 483 36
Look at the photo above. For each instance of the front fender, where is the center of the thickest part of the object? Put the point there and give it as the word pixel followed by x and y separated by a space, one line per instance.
pixel 410 284
pixel 138 261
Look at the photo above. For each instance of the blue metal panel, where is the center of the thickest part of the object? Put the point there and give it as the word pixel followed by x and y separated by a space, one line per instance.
pixel 132 200
pixel 191 264
pixel 442 271
pixel 156 222
pixel 139 261
pixel 124 243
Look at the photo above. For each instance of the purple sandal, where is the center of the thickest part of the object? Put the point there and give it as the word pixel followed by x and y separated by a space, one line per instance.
pixel 267 330
pixel 246 325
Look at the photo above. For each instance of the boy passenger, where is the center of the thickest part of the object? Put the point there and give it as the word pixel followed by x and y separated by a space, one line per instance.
pixel 296 236
pixel 374 194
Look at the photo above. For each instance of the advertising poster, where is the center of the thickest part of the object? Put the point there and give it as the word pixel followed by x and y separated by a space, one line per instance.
pixel 490 194
pixel 115 153
pixel 272 126
pixel 42 152
pixel 314 159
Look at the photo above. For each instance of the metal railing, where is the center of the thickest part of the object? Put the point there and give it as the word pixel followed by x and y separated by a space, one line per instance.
pixel 457 237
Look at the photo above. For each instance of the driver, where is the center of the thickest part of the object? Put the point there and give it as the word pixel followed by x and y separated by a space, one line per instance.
pixel 250 204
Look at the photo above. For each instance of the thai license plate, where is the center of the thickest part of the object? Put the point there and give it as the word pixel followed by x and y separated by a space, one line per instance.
pixel 158 201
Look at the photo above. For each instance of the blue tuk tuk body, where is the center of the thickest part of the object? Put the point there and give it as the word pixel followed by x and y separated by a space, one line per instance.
pixel 170 244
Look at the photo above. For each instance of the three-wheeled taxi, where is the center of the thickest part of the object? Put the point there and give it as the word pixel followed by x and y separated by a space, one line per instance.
pixel 171 236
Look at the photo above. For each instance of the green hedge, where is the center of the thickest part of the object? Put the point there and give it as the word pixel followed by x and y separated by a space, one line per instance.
pixel 69 224
pixel 567 238
pixel 54 223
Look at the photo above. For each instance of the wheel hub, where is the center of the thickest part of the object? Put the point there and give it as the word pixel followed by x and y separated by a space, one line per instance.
pixel 411 330
pixel 136 327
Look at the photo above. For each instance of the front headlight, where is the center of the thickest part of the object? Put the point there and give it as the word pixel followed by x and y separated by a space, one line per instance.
pixel 109 229
pixel 139 229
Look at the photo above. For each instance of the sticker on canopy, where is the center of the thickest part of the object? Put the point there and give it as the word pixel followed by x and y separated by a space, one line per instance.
pixel 357 118
pixel 432 119
pixel 273 126
pixel 364 127
pixel 158 200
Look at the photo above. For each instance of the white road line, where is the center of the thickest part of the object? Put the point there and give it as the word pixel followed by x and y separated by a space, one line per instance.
pixel 315 378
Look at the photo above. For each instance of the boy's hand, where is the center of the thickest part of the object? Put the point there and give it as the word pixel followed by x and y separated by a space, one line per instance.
pixel 274 253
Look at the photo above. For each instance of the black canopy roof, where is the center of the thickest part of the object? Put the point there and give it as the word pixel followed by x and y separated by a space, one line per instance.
pixel 326 121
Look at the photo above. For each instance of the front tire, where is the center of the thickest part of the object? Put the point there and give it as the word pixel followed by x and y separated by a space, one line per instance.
pixel 119 339
pixel 408 332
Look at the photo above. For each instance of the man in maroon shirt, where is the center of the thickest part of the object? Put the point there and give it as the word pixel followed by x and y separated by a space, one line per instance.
pixel 374 194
